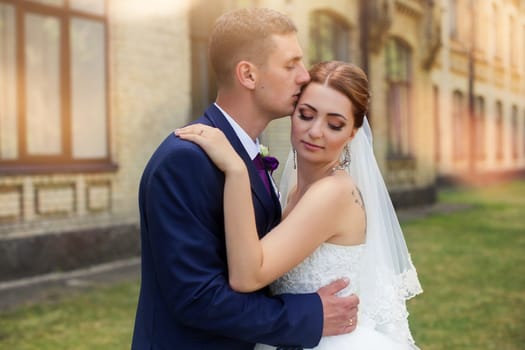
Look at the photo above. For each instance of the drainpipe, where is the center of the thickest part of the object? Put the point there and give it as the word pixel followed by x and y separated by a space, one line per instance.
pixel 471 77
pixel 363 41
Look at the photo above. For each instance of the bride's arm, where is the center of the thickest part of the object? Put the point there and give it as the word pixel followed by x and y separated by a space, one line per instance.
pixel 254 263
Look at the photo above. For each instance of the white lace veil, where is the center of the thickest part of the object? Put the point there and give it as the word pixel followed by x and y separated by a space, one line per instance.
pixel 387 277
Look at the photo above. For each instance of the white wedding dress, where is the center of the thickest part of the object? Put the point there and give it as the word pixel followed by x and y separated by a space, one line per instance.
pixel 328 263
pixel 381 272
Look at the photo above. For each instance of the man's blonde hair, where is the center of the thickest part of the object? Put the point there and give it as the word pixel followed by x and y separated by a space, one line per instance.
pixel 244 34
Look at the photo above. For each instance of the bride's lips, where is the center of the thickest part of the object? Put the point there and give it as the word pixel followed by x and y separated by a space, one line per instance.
pixel 311 146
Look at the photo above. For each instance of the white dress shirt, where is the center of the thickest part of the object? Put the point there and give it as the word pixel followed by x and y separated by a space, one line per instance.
pixel 252 147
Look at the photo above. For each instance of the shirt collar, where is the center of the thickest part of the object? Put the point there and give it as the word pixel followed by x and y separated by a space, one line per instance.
pixel 249 145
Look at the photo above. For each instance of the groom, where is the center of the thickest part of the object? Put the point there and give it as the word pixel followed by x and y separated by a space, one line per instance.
pixel 185 300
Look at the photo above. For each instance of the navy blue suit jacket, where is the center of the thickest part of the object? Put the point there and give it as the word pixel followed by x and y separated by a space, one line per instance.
pixel 185 300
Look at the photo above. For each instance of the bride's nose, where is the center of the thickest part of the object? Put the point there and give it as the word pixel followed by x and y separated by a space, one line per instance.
pixel 315 130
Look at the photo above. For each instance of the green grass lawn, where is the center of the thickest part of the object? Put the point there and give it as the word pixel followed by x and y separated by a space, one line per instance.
pixel 471 264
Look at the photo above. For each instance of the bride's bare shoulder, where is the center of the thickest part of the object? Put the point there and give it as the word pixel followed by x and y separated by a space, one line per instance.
pixel 337 186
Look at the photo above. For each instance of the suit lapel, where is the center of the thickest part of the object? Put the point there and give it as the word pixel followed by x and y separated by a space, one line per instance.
pixel 269 202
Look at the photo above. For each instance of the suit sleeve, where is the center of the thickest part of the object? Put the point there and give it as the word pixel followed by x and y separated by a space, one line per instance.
pixel 184 216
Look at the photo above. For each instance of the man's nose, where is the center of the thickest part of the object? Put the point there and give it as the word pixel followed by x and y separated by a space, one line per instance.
pixel 304 76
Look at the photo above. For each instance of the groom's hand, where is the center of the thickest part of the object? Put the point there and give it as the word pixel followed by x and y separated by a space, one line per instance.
pixel 339 313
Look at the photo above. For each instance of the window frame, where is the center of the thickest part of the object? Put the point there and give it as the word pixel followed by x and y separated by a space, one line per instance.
pixel 499 131
pixel 480 128
pixel 397 81
pixel 514 120
pixel 340 33
pixel 64 162
pixel 460 127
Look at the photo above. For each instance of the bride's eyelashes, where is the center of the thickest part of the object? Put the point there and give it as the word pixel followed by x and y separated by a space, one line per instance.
pixel 335 127
pixel 305 117
pixel 338 127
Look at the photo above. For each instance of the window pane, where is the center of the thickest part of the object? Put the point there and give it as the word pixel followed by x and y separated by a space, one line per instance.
pixel 452 7
pixel 523 132
pixel 88 69
pixel 397 61
pixel 515 131
pixel 480 128
pixel 8 110
pixel 92 6
pixel 50 2
pixel 460 131
pixel 42 62
pixel 200 77
pixel 499 131
pixel 329 38
pixel 398 99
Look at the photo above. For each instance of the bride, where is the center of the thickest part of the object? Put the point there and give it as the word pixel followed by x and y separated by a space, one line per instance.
pixel 338 219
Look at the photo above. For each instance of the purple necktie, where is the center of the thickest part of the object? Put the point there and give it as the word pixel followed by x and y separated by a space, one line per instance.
pixel 261 169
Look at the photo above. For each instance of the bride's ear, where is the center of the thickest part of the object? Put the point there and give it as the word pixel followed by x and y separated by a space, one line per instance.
pixel 246 74
pixel 352 134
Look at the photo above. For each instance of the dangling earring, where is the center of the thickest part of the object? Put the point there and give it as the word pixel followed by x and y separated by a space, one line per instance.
pixel 347 155
pixel 345 160
pixel 294 159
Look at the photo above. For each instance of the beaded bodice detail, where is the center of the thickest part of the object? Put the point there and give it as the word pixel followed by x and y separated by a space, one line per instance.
pixel 331 261
pixel 326 264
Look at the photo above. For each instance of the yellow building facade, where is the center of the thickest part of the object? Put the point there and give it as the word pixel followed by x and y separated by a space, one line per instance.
pixel 479 91
pixel 89 89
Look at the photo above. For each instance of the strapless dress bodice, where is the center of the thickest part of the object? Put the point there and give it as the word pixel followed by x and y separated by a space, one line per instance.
pixel 326 264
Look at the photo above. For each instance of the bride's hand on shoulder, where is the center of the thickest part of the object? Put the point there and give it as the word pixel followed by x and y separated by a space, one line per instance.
pixel 215 144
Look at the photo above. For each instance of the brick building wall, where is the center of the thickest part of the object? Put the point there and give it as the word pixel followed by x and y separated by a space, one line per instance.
pixel 66 220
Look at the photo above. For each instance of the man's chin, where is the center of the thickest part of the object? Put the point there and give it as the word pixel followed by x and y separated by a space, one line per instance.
pixel 283 113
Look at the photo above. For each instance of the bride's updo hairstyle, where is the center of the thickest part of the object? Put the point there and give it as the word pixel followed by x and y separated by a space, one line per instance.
pixel 348 79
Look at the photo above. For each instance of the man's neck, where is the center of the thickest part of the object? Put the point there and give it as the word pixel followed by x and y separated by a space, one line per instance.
pixel 244 114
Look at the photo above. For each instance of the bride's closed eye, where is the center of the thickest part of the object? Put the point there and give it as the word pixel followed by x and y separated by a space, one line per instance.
pixel 335 127
pixel 305 117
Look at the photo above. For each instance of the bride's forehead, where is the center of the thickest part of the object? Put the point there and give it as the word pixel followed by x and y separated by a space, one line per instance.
pixel 324 99
pixel 324 94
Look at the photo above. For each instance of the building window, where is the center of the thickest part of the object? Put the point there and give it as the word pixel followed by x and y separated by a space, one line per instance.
pixel 453 18
pixel 459 127
pixel 202 17
pixel 499 131
pixel 459 28
pixel 482 27
pixel 515 135
pixel 513 44
pixel 53 85
pixel 329 38
pixel 437 128
pixel 398 72
pixel 523 134
pixel 479 112
pixel 203 84
pixel 523 49
pixel 498 42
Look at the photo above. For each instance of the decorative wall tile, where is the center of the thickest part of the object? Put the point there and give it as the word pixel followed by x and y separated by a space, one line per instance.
pixel 55 199
pixel 98 196
pixel 10 203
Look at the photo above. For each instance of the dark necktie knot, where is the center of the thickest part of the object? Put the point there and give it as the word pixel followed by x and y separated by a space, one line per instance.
pixel 259 163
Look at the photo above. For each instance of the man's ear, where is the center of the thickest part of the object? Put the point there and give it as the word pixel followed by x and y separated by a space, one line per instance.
pixel 246 74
